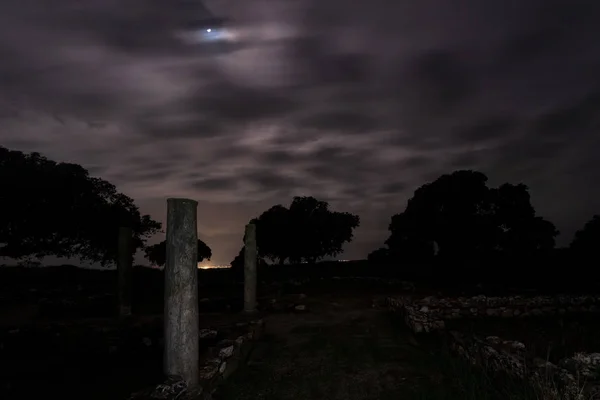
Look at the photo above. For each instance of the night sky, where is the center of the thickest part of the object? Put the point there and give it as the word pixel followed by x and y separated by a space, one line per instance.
pixel 357 103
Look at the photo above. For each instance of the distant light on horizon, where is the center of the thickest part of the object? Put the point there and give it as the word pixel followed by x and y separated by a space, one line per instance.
pixel 207 266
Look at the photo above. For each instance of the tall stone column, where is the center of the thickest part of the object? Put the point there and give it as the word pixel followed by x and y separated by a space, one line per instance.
pixel 250 261
pixel 125 271
pixel 181 355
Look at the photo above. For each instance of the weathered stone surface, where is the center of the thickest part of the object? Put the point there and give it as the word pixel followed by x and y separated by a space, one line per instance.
pixel 221 362
pixel 210 369
pixel 250 268
pixel 181 323
pixel 240 341
pixel 574 378
pixel 222 367
pixel 577 382
pixel 207 333
pixel 429 313
pixel 227 351
pixel 173 388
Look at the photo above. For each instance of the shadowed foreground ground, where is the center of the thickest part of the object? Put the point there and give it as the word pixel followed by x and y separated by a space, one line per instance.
pixel 343 349
pixel 340 349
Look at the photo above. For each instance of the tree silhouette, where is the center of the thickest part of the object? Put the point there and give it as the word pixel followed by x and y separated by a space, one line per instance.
pixel 458 216
pixel 381 255
pixel 274 232
pixel 238 262
pixel 587 239
pixel 157 253
pixel 306 231
pixel 50 208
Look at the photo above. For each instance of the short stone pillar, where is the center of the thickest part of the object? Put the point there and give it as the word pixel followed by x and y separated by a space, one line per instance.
pixel 250 260
pixel 125 271
pixel 181 352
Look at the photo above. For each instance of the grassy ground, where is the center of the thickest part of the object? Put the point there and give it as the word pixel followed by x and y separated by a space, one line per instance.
pixel 343 349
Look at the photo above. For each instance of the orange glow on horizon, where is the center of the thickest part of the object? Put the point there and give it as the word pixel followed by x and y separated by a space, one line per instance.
pixel 211 266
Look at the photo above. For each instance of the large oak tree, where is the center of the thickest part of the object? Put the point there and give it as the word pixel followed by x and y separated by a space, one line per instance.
pixel 53 208
pixel 157 253
pixel 458 216
pixel 307 230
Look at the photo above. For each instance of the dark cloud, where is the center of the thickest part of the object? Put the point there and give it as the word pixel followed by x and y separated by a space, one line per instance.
pixel 356 103
pixel 534 43
pixel 326 65
pixel 551 27
pixel 240 104
pixel 189 125
pixel 270 181
pixel 531 149
pixel 414 162
pixel 442 81
pixel 493 128
pixel 580 117
pixel 278 157
pixel 346 121
pixel 468 160
pixel 214 184
pixel 394 188
pixel 150 175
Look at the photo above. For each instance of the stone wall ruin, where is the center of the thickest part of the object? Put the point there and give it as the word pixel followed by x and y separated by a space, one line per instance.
pixel 573 378
pixel 222 360
pixel 428 314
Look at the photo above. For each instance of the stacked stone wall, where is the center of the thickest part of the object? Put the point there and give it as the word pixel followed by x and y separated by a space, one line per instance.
pixel 572 378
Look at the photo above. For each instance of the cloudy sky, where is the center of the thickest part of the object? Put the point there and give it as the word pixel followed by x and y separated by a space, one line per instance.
pixel 357 103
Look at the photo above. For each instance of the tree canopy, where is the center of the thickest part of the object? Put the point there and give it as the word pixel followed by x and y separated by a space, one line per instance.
pixel 49 208
pixel 157 253
pixel 238 262
pixel 306 231
pixel 381 255
pixel 587 239
pixel 459 216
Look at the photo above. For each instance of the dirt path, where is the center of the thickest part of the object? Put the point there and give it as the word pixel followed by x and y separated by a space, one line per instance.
pixel 339 349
